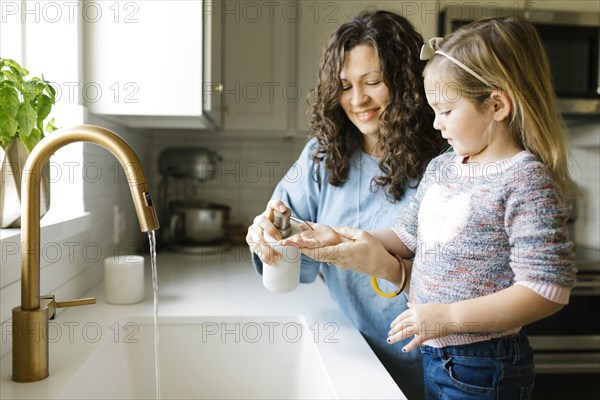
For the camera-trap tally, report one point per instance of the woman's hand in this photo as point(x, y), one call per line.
point(319, 236)
point(423, 322)
point(262, 224)
point(356, 250)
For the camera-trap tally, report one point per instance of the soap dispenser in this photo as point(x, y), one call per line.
point(284, 276)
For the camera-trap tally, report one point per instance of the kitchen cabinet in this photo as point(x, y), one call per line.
point(260, 91)
point(320, 19)
point(271, 56)
point(192, 64)
point(152, 63)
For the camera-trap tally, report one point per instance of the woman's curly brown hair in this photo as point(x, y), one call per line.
point(406, 137)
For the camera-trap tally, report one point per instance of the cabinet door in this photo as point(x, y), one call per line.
point(259, 91)
point(213, 62)
point(319, 20)
point(144, 59)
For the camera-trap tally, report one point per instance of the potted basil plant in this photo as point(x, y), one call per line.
point(24, 106)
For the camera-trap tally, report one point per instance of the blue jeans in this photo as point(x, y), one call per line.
point(493, 369)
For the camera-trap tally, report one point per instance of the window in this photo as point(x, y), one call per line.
point(44, 38)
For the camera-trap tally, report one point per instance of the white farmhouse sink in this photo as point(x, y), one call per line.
point(206, 358)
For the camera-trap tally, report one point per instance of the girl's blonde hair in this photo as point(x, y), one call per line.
point(508, 53)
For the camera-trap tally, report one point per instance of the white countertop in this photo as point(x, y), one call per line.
point(223, 284)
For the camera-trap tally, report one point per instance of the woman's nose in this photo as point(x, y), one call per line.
point(358, 96)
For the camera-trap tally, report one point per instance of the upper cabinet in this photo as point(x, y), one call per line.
point(193, 64)
point(260, 89)
point(271, 56)
point(152, 63)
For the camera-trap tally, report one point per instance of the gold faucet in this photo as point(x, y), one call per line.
point(30, 320)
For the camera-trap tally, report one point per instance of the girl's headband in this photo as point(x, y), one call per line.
point(428, 50)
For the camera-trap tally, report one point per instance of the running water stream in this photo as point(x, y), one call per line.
point(152, 240)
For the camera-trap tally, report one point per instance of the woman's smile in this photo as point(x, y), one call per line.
point(368, 115)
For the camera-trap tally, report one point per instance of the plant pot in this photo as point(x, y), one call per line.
point(11, 171)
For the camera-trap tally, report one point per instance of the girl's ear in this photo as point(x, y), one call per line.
point(501, 105)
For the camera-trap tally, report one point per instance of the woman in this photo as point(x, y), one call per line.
point(372, 138)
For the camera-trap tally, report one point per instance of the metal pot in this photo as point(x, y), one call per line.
point(198, 223)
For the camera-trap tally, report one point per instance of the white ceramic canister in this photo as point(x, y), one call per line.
point(124, 279)
point(284, 276)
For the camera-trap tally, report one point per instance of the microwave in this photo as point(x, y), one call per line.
point(571, 40)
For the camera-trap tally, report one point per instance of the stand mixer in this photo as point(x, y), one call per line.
point(192, 224)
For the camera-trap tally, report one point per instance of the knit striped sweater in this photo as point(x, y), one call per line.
point(476, 229)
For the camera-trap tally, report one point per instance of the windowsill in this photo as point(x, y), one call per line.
point(54, 225)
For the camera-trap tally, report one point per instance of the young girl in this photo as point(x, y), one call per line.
point(487, 226)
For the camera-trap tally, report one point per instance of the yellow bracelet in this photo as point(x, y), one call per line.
point(394, 294)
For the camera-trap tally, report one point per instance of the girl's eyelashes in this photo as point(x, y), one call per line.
point(437, 110)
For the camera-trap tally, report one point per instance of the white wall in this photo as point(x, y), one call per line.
point(105, 187)
point(244, 178)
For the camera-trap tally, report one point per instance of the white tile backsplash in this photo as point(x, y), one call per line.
point(245, 177)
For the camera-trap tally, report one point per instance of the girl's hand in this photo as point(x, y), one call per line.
point(423, 322)
point(320, 236)
point(356, 250)
point(262, 224)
